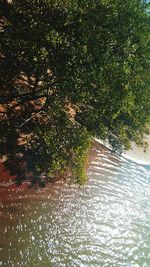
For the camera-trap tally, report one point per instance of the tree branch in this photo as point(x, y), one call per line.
point(21, 97)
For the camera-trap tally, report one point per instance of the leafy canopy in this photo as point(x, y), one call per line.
point(72, 70)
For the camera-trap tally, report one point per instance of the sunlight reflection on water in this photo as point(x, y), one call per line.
point(105, 223)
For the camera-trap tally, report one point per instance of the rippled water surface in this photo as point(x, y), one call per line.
point(106, 223)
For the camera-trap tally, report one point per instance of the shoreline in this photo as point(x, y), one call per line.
point(135, 154)
point(8, 181)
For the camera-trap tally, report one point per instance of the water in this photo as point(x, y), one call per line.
point(106, 223)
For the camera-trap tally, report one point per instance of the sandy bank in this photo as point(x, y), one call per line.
point(138, 155)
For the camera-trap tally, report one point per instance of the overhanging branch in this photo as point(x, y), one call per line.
point(20, 97)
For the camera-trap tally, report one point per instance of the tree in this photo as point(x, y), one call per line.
point(72, 70)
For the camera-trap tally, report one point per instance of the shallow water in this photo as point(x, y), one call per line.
point(105, 223)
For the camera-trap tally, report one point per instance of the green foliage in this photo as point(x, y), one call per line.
point(72, 70)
